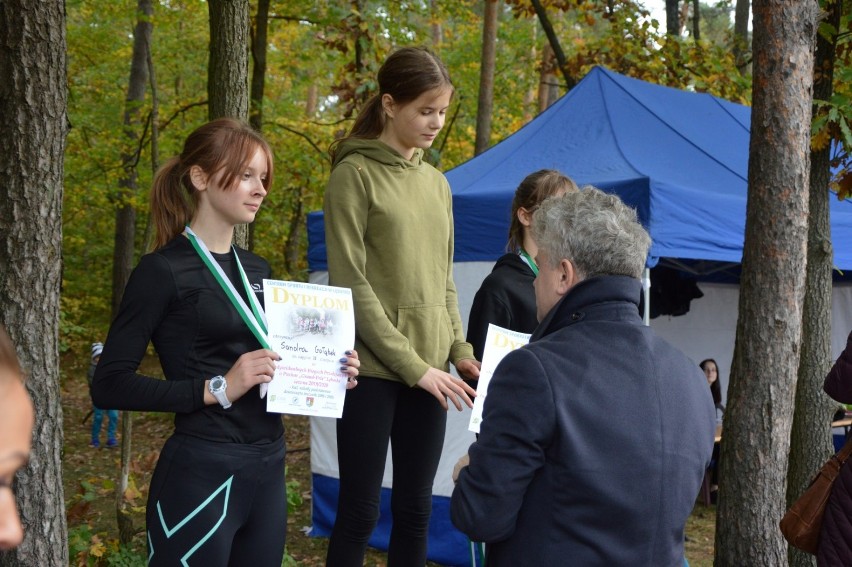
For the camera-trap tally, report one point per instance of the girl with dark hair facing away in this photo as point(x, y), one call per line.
point(389, 230)
point(217, 496)
point(506, 297)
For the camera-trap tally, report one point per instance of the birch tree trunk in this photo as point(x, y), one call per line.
point(33, 127)
point(756, 438)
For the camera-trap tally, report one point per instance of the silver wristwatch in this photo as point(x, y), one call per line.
point(217, 387)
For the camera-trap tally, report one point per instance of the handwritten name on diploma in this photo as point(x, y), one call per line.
point(292, 348)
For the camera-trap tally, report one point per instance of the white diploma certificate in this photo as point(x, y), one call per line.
point(498, 343)
point(310, 326)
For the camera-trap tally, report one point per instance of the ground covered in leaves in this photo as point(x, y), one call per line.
point(90, 476)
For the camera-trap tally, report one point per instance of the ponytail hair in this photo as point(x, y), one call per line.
point(533, 190)
point(406, 74)
point(224, 145)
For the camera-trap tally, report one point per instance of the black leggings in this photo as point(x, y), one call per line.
point(414, 421)
point(217, 504)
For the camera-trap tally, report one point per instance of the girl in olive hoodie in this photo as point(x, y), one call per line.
point(389, 231)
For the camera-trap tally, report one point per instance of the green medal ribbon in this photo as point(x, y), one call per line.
point(530, 262)
point(255, 318)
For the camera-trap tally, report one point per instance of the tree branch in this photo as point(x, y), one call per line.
point(570, 82)
point(301, 135)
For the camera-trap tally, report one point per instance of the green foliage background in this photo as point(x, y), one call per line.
point(313, 45)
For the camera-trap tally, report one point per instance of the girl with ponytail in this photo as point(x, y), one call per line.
point(389, 235)
point(217, 495)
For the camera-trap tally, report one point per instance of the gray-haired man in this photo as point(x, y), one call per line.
point(597, 434)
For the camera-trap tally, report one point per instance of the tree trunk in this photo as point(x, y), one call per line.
point(258, 74)
point(435, 28)
point(756, 439)
point(292, 250)
point(125, 220)
point(311, 101)
point(486, 76)
point(227, 73)
point(125, 228)
point(811, 442)
point(548, 90)
point(672, 17)
point(532, 93)
point(258, 77)
point(741, 43)
point(33, 127)
point(696, 20)
point(155, 142)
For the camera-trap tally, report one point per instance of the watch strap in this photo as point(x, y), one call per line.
point(220, 395)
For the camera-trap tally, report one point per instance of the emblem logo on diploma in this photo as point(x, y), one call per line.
point(310, 326)
point(498, 343)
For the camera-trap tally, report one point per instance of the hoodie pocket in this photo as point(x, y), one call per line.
point(428, 330)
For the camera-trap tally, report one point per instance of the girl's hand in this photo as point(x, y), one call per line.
point(444, 386)
point(350, 367)
point(250, 369)
point(469, 368)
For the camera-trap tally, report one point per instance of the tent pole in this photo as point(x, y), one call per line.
point(646, 290)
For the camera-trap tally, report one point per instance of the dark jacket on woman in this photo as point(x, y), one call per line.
point(506, 298)
point(594, 441)
point(835, 543)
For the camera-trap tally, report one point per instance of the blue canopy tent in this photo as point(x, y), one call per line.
point(680, 158)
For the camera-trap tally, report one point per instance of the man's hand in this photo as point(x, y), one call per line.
point(462, 463)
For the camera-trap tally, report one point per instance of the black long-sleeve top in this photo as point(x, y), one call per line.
point(173, 301)
point(506, 298)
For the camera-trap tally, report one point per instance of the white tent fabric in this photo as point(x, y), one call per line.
point(708, 330)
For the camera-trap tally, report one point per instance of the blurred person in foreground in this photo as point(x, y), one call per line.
point(16, 428)
point(596, 435)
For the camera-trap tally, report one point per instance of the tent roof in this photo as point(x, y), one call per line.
point(680, 158)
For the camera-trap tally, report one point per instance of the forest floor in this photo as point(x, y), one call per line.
point(89, 478)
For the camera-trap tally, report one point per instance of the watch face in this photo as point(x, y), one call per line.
point(217, 383)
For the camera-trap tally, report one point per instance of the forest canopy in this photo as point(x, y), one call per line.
point(321, 60)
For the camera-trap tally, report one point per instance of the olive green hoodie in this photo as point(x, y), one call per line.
point(389, 237)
